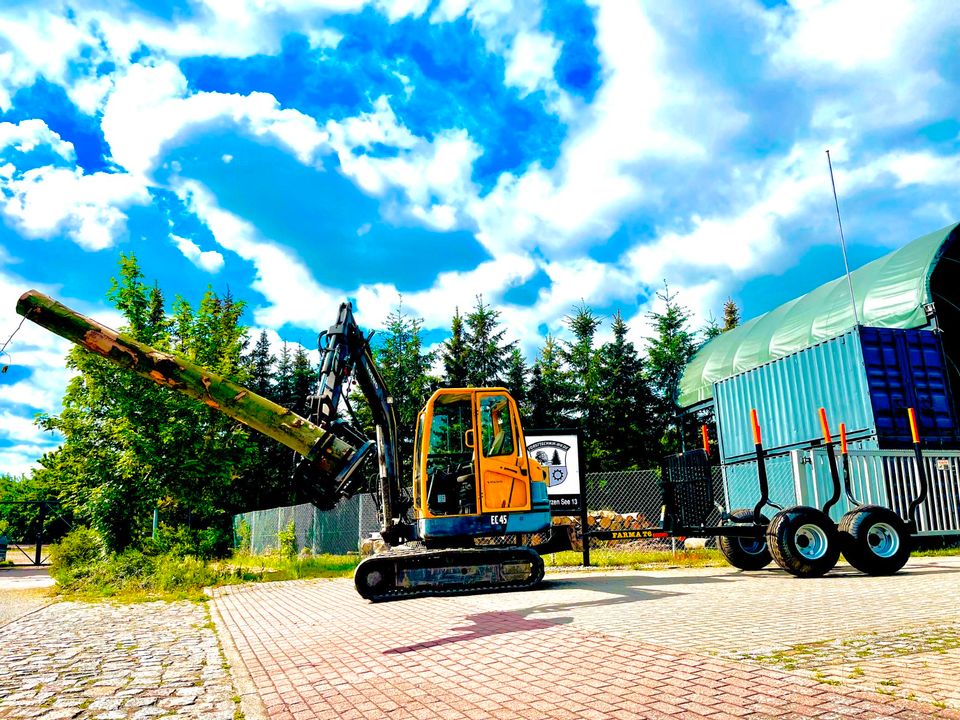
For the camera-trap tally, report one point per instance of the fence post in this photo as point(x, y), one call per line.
point(41, 517)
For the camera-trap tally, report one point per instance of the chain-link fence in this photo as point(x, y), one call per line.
point(631, 500)
point(336, 532)
point(626, 500)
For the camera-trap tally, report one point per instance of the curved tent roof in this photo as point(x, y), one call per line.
point(890, 292)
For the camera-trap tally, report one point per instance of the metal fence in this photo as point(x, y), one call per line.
point(613, 499)
point(889, 478)
point(336, 532)
point(632, 499)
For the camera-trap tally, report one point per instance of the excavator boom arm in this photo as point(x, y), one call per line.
point(333, 451)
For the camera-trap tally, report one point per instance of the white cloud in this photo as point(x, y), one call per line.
point(209, 260)
point(644, 111)
point(40, 42)
point(282, 278)
point(27, 135)
point(846, 34)
point(88, 208)
point(150, 107)
point(48, 200)
point(435, 176)
point(530, 61)
point(867, 65)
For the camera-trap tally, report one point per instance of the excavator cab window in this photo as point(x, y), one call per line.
point(496, 429)
point(450, 475)
point(417, 440)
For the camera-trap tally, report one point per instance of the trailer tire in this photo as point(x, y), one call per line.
point(744, 553)
point(875, 540)
point(804, 541)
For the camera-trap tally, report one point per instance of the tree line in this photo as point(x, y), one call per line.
point(130, 446)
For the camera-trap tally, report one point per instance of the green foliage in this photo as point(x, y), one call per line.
point(79, 548)
point(731, 314)
point(82, 567)
point(182, 541)
point(624, 434)
point(668, 353)
point(582, 362)
point(550, 399)
point(244, 537)
point(287, 540)
point(130, 445)
point(455, 354)
point(404, 366)
point(516, 377)
point(487, 351)
point(20, 519)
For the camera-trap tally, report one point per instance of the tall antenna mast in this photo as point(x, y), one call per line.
point(843, 244)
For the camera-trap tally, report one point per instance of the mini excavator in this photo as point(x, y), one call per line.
point(474, 487)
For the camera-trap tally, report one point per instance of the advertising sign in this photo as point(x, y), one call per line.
point(558, 451)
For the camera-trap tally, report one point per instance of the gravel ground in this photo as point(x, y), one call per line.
point(22, 591)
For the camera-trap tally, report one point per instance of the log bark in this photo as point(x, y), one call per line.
point(328, 453)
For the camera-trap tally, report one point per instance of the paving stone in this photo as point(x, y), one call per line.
point(663, 644)
point(102, 660)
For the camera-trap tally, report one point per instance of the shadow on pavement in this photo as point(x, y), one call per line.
point(483, 625)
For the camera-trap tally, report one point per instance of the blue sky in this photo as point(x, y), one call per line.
point(541, 153)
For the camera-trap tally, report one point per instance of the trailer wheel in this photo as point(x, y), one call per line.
point(803, 541)
point(875, 540)
point(741, 552)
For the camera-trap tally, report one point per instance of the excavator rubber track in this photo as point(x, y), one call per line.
point(402, 573)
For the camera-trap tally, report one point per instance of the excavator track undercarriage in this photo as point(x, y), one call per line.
point(403, 573)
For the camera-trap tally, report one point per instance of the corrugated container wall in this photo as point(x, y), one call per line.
point(864, 378)
point(787, 394)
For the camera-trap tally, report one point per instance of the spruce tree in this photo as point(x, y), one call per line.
point(303, 378)
point(261, 362)
point(626, 426)
point(731, 314)
point(487, 350)
point(455, 354)
point(549, 398)
point(668, 353)
point(405, 368)
point(581, 363)
point(283, 379)
point(515, 378)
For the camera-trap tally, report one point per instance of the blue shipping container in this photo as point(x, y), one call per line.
point(865, 378)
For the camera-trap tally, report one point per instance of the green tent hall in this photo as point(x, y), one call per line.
point(811, 352)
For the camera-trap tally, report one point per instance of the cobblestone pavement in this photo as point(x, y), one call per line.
point(110, 661)
point(668, 644)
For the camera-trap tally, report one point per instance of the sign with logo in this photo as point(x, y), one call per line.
point(558, 451)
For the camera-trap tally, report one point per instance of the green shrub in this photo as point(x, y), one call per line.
point(244, 537)
point(78, 549)
point(287, 540)
point(182, 541)
point(173, 573)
